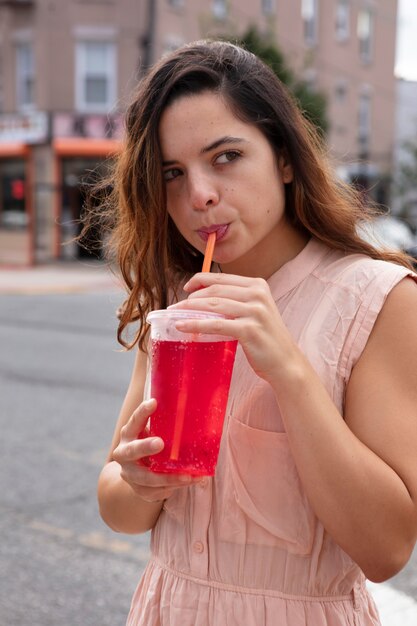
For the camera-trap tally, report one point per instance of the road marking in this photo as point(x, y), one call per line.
point(395, 607)
point(100, 542)
point(63, 533)
point(96, 540)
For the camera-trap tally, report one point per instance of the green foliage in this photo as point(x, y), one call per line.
point(311, 102)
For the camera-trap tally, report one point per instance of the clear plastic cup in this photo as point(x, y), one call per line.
point(189, 378)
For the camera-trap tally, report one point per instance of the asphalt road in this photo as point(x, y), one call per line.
point(62, 379)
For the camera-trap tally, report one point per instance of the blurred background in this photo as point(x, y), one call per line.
point(67, 69)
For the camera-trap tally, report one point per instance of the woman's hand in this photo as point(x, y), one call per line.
point(253, 319)
point(131, 454)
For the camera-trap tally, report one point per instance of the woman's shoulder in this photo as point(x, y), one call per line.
point(357, 273)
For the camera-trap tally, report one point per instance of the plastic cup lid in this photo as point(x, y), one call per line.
point(180, 314)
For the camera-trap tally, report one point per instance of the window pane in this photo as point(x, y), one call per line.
point(28, 89)
point(364, 119)
point(307, 9)
point(25, 57)
point(25, 75)
point(342, 19)
point(364, 24)
point(219, 8)
point(268, 6)
point(365, 34)
point(95, 75)
point(309, 12)
point(96, 90)
point(96, 57)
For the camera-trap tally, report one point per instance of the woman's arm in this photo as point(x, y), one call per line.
point(359, 473)
point(130, 496)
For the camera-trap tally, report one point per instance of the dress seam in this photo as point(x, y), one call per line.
point(350, 597)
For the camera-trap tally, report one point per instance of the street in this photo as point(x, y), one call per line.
point(62, 380)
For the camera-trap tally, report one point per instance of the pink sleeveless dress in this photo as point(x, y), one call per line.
point(245, 548)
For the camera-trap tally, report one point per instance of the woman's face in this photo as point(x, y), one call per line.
point(222, 175)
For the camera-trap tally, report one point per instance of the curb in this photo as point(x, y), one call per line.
point(395, 607)
point(58, 279)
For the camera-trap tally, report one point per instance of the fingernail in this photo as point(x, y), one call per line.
point(156, 444)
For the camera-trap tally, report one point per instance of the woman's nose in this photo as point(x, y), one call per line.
point(203, 193)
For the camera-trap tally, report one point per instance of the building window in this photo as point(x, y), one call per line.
point(219, 9)
point(342, 20)
point(364, 122)
point(268, 7)
point(365, 34)
point(25, 76)
point(341, 90)
point(95, 76)
point(309, 13)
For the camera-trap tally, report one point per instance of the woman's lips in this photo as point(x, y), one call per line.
point(219, 229)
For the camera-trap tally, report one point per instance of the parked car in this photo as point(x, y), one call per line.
point(388, 232)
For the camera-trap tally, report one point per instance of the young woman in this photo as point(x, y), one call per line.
point(316, 484)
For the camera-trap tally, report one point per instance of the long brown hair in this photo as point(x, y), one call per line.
point(152, 255)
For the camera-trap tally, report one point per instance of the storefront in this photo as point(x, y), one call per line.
point(19, 134)
point(16, 223)
point(83, 148)
point(79, 163)
point(47, 163)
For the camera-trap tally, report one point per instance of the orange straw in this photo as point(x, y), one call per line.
point(208, 255)
point(182, 393)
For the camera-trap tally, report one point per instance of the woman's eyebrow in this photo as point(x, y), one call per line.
point(218, 142)
point(212, 146)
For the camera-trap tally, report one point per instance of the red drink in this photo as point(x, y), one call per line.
point(190, 381)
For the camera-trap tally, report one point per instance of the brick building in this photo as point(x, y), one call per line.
point(67, 68)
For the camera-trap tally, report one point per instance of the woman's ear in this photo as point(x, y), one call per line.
point(285, 168)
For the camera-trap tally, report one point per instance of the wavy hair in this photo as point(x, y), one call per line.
point(152, 255)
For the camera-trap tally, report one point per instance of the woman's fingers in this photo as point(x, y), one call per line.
point(132, 452)
point(137, 449)
point(138, 420)
point(136, 474)
point(205, 279)
point(247, 308)
point(151, 486)
point(134, 443)
point(251, 314)
point(240, 288)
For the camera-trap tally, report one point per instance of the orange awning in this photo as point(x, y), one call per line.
point(82, 146)
point(13, 149)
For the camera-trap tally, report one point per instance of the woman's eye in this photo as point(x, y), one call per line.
point(172, 173)
point(228, 156)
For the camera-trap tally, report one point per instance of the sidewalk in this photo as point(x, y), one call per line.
point(60, 277)
point(395, 607)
